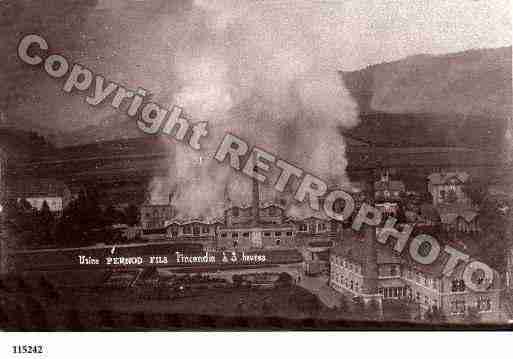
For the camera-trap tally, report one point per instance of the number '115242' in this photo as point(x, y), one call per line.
point(27, 349)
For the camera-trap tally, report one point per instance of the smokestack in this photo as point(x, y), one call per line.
point(256, 199)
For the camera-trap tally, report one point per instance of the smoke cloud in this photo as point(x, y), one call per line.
point(264, 72)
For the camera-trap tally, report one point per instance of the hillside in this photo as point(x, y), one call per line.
point(471, 83)
point(462, 99)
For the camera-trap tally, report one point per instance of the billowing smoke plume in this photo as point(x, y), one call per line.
point(264, 73)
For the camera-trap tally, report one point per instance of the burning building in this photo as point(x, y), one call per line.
point(154, 216)
point(256, 226)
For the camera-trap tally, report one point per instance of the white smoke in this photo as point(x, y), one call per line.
point(264, 72)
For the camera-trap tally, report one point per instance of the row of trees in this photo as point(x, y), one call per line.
point(82, 222)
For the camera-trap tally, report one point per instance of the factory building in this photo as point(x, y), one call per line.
point(401, 278)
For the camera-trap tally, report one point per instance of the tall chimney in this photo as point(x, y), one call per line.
point(256, 197)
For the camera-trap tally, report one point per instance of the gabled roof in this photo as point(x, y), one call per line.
point(183, 222)
point(314, 217)
point(446, 177)
point(353, 248)
point(449, 213)
point(429, 212)
point(389, 185)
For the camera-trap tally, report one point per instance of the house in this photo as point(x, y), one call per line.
point(387, 194)
point(154, 216)
point(55, 193)
point(447, 187)
point(195, 230)
point(459, 218)
point(401, 278)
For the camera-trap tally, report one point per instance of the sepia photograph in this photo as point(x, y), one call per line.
point(245, 165)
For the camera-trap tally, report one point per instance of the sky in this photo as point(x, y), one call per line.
point(375, 31)
point(138, 42)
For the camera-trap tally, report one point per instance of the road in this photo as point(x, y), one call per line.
point(318, 286)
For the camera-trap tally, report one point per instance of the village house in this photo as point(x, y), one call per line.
point(401, 278)
point(55, 193)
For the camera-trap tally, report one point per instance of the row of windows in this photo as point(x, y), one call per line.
point(393, 292)
point(347, 264)
point(458, 285)
point(407, 292)
point(483, 304)
point(266, 234)
point(195, 230)
point(320, 227)
point(393, 271)
point(236, 242)
point(421, 279)
point(346, 282)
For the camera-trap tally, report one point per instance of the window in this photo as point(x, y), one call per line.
point(458, 285)
point(245, 234)
point(417, 297)
point(235, 234)
point(484, 304)
point(267, 234)
point(458, 307)
point(278, 242)
point(187, 229)
point(223, 234)
point(205, 229)
point(393, 271)
point(277, 234)
point(235, 212)
point(352, 285)
point(235, 243)
point(196, 230)
point(303, 228)
point(289, 234)
point(426, 300)
point(174, 233)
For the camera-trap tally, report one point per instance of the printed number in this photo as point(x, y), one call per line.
point(27, 349)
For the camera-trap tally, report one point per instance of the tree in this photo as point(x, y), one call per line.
point(237, 280)
point(472, 316)
point(476, 191)
point(284, 279)
point(113, 216)
point(435, 315)
point(45, 221)
point(343, 306)
point(132, 215)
